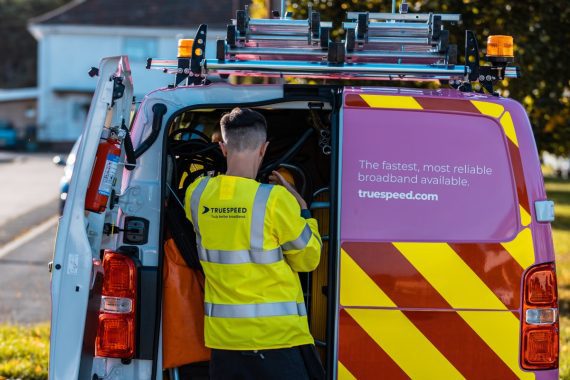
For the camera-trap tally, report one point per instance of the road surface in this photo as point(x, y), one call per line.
point(27, 182)
point(29, 195)
point(24, 276)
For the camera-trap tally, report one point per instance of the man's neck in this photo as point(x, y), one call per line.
point(242, 165)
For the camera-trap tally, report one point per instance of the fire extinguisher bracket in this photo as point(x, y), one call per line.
point(118, 89)
point(132, 200)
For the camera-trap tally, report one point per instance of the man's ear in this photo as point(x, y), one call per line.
point(263, 149)
point(223, 148)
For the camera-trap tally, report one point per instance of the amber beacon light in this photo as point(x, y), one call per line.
point(185, 48)
point(500, 47)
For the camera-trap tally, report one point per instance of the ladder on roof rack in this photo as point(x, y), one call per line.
point(399, 38)
point(377, 46)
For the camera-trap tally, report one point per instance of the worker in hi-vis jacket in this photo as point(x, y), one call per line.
point(252, 240)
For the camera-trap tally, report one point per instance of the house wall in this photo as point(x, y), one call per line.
point(67, 52)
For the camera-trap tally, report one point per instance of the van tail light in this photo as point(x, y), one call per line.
point(117, 315)
point(540, 342)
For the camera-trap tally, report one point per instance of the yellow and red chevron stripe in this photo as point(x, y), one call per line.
point(442, 330)
point(490, 109)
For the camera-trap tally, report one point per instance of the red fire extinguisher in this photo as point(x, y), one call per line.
point(104, 174)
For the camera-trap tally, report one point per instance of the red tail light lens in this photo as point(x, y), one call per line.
point(541, 286)
point(115, 336)
point(119, 275)
point(540, 341)
point(116, 331)
point(541, 347)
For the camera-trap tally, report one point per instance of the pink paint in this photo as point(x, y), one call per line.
point(452, 171)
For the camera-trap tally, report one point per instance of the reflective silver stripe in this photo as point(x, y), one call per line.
point(301, 242)
point(273, 309)
point(240, 256)
point(194, 207)
point(258, 216)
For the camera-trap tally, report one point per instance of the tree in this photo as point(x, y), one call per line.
point(19, 49)
point(541, 29)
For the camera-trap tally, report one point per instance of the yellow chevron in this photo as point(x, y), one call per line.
point(344, 373)
point(509, 128)
point(522, 248)
point(487, 108)
point(356, 288)
point(388, 101)
point(404, 343)
point(501, 331)
point(450, 275)
point(397, 336)
point(525, 216)
point(462, 288)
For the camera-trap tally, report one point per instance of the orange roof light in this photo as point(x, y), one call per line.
point(185, 48)
point(500, 46)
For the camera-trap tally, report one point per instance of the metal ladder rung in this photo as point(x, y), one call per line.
point(417, 17)
point(392, 26)
point(283, 22)
point(275, 22)
point(399, 41)
point(317, 52)
point(273, 37)
point(396, 54)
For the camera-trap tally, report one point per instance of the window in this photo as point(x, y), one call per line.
point(139, 49)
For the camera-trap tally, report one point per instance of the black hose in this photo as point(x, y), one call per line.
point(191, 131)
point(129, 150)
point(301, 175)
point(288, 155)
point(159, 110)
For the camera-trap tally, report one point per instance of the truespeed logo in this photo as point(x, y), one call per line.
point(387, 195)
point(225, 212)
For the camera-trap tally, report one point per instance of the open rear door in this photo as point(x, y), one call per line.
point(76, 264)
point(434, 239)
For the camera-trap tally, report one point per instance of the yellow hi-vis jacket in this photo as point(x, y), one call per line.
point(252, 241)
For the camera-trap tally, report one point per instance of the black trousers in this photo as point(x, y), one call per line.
point(278, 364)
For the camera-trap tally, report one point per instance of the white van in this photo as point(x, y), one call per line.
point(437, 258)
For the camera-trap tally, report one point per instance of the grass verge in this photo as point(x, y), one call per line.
point(24, 352)
point(559, 192)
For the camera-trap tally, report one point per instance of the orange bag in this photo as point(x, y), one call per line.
point(182, 311)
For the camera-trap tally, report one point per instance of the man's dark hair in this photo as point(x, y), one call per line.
point(243, 129)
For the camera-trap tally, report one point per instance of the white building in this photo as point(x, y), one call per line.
point(74, 38)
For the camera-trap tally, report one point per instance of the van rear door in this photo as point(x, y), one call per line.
point(80, 237)
point(435, 237)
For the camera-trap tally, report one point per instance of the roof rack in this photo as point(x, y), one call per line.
point(395, 46)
